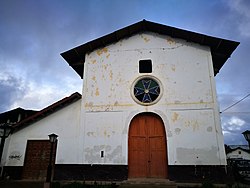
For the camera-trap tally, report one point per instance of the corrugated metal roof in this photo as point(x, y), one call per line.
point(231, 148)
point(221, 49)
point(246, 147)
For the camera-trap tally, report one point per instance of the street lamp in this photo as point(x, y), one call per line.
point(5, 130)
point(246, 134)
point(52, 139)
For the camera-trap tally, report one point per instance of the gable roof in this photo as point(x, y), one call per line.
point(231, 148)
point(221, 49)
point(15, 115)
point(47, 111)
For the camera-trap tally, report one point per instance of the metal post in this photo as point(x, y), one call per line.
point(5, 130)
point(1, 153)
point(1, 147)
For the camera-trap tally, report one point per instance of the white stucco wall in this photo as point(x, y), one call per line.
point(188, 106)
point(238, 154)
point(65, 123)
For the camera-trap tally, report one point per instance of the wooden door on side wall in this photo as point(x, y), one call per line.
point(37, 159)
point(147, 153)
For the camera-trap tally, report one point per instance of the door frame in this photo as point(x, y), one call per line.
point(165, 136)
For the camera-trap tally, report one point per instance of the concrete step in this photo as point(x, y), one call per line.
point(21, 184)
point(147, 183)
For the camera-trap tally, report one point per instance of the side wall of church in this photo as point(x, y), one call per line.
point(65, 123)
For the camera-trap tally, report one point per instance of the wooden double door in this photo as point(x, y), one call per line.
point(37, 159)
point(147, 152)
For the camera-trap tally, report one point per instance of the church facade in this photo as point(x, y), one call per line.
point(148, 108)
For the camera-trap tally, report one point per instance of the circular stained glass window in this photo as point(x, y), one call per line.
point(146, 90)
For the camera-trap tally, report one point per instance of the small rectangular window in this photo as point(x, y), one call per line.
point(102, 154)
point(145, 66)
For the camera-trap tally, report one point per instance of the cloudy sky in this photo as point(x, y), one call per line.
point(33, 33)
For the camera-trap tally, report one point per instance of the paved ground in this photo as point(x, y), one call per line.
point(138, 183)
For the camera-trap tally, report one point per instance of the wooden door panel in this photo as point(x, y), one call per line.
point(147, 147)
point(138, 166)
point(140, 129)
point(155, 127)
point(138, 143)
point(36, 159)
point(157, 157)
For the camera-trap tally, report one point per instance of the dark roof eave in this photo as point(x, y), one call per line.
point(219, 47)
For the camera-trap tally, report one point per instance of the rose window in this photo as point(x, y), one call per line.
point(146, 90)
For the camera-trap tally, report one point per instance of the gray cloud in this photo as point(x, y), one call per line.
point(233, 125)
point(236, 119)
point(34, 33)
point(11, 89)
